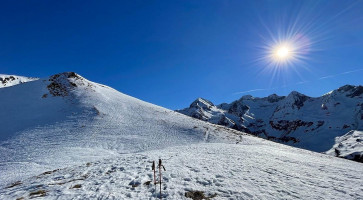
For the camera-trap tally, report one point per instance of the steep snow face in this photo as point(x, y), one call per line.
point(11, 80)
point(65, 120)
point(252, 169)
point(297, 120)
point(349, 146)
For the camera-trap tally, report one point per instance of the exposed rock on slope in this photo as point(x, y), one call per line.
point(11, 80)
point(62, 84)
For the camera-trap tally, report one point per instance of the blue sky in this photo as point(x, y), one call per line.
point(171, 52)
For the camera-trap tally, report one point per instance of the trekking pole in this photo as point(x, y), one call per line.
point(160, 175)
point(153, 168)
point(160, 165)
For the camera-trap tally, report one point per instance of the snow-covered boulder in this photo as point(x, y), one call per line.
point(349, 146)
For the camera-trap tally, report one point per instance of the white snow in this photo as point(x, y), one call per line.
point(348, 146)
point(104, 141)
point(11, 80)
point(233, 171)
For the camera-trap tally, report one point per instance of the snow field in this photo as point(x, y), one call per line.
point(231, 171)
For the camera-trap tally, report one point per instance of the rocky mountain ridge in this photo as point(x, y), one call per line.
point(311, 123)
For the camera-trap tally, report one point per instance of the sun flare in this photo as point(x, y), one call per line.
point(282, 53)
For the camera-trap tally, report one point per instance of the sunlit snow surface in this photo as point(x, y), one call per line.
point(103, 141)
point(11, 80)
point(233, 171)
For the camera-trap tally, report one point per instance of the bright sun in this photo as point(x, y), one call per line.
point(285, 52)
point(282, 53)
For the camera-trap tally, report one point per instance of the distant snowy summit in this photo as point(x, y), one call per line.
point(11, 80)
point(298, 120)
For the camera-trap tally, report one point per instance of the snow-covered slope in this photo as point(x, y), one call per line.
point(298, 120)
point(349, 146)
point(65, 137)
point(10, 80)
point(258, 170)
point(65, 120)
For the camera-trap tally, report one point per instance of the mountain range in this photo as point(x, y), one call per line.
point(297, 120)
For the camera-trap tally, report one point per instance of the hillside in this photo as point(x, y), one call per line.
point(66, 120)
point(64, 137)
point(297, 120)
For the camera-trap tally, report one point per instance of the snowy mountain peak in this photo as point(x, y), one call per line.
point(202, 103)
point(271, 98)
point(351, 90)
point(274, 98)
point(66, 75)
point(63, 83)
point(247, 97)
point(346, 88)
point(296, 99)
point(296, 94)
point(11, 80)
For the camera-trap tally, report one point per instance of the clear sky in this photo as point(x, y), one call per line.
point(171, 52)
